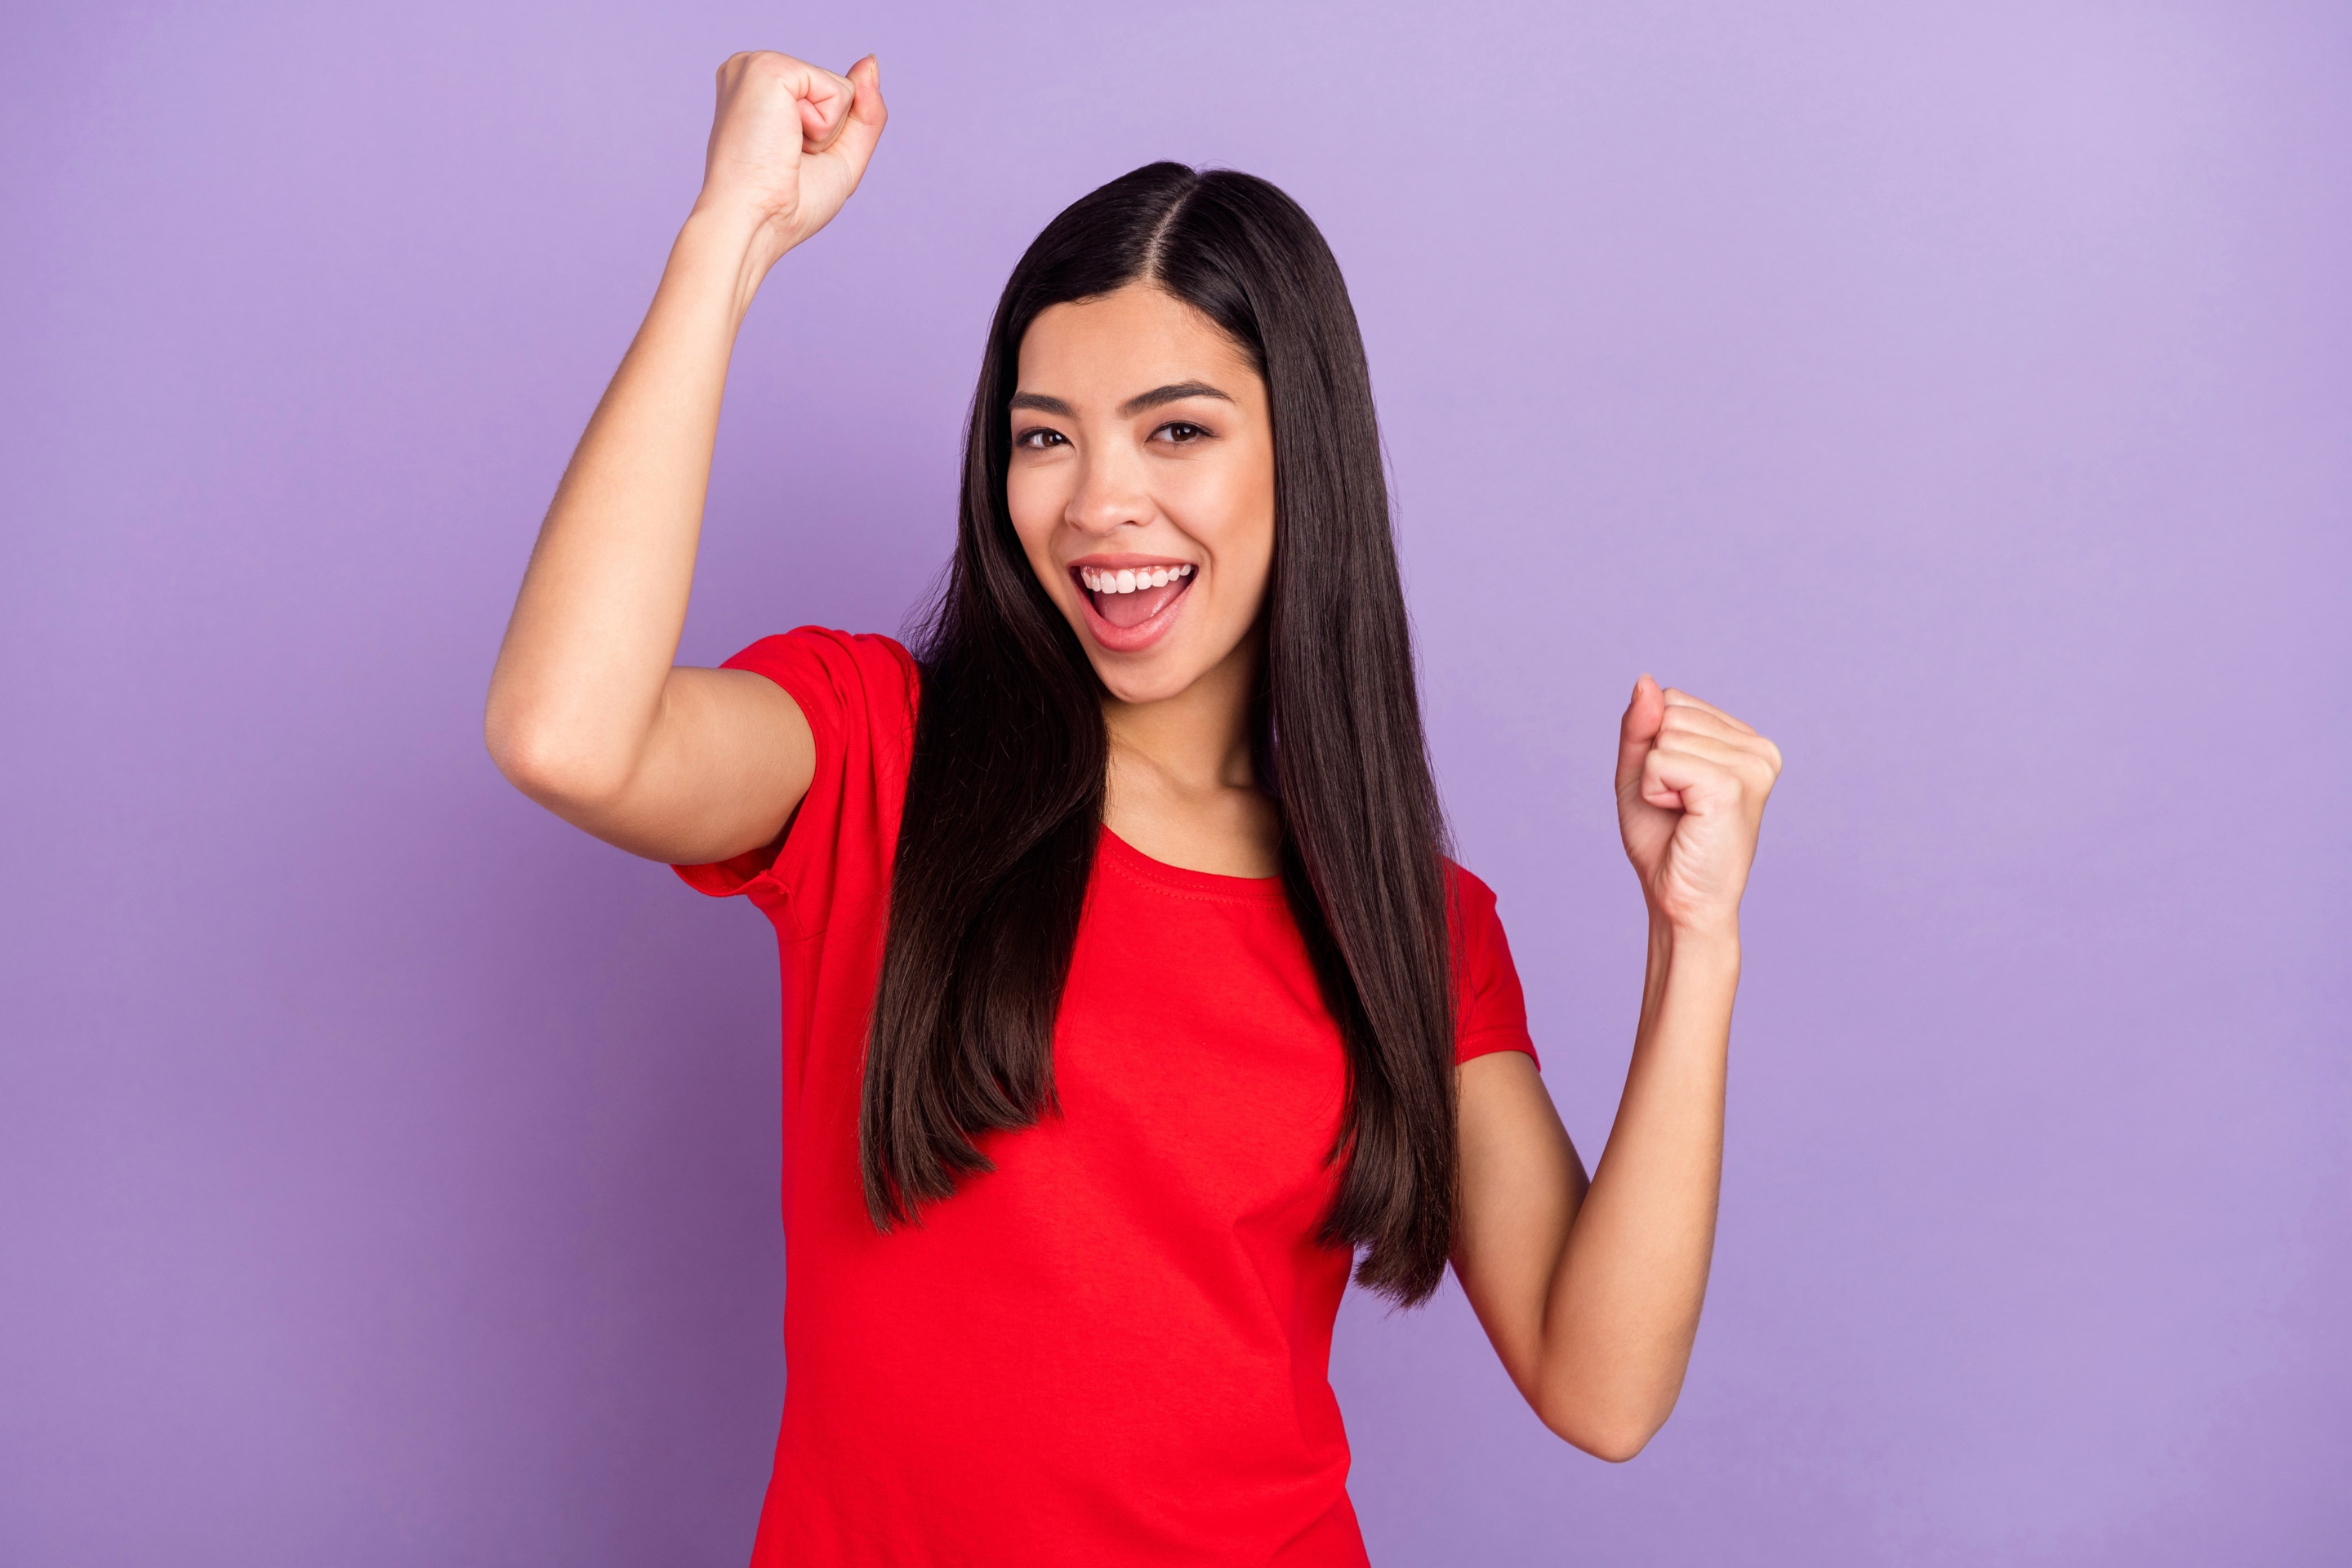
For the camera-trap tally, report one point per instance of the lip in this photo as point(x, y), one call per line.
point(1144, 633)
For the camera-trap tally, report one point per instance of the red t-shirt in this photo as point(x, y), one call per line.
point(1112, 1347)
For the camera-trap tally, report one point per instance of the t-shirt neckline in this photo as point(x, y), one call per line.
point(1184, 880)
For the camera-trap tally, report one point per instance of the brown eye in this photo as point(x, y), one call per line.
point(1039, 440)
point(1181, 432)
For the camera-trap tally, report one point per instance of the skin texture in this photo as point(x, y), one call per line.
point(1590, 1289)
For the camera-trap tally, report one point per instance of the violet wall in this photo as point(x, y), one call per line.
point(1961, 393)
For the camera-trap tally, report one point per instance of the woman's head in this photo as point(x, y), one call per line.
point(1140, 484)
point(1177, 358)
point(1167, 279)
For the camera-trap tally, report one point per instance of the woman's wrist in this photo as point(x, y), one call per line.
point(1699, 964)
point(731, 243)
point(1711, 938)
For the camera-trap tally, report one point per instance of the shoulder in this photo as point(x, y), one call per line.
point(857, 691)
point(840, 679)
point(1470, 900)
point(1475, 924)
point(1494, 1010)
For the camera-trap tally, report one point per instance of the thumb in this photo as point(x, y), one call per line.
point(1646, 715)
point(853, 145)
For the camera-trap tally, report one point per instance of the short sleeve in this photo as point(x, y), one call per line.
point(858, 694)
point(1493, 1010)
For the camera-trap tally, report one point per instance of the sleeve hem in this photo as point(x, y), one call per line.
point(1486, 1042)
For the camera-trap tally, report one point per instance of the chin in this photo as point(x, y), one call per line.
point(1151, 679)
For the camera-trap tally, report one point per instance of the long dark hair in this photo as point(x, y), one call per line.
point(1004, 796)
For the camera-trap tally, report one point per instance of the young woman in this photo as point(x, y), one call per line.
point(1132, 1002)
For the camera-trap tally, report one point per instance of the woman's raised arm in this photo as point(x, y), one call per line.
point(587, 714)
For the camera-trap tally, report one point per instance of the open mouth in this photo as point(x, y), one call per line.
point(1132, 606)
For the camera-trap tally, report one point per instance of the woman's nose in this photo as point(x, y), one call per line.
point(1109, 495)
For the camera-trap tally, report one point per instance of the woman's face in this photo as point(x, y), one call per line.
point(1143, 485)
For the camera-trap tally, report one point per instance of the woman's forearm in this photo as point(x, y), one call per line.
point(1624, 1302)
point(579, 682)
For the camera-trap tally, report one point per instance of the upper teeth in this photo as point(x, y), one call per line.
point(1127, 580)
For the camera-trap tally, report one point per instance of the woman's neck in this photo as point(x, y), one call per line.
point(1181, 785)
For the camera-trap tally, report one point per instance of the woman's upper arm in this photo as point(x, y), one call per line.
point(1522, 1181)
point(724, 766)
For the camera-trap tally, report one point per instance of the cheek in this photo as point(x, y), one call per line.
point(1035, 505)
point(1232, 513)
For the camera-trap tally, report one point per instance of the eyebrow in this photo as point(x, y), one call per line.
point(1175, 391)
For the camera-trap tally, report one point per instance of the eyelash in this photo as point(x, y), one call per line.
point(1037, 440)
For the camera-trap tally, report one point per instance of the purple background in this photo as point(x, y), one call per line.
point(387, 1172)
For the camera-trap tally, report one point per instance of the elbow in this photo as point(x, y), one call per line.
point(1613, 1435)
point(1615, 1445)
point(545, 763)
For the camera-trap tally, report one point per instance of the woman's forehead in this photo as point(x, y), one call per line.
point(1110, 348)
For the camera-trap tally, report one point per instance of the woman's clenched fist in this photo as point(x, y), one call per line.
point(1691, 785)
point(788, 144)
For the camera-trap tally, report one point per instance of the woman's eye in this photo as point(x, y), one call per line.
point(1038, 439)
point(1179, 432)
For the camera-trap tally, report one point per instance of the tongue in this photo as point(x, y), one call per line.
point(1134, 609)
